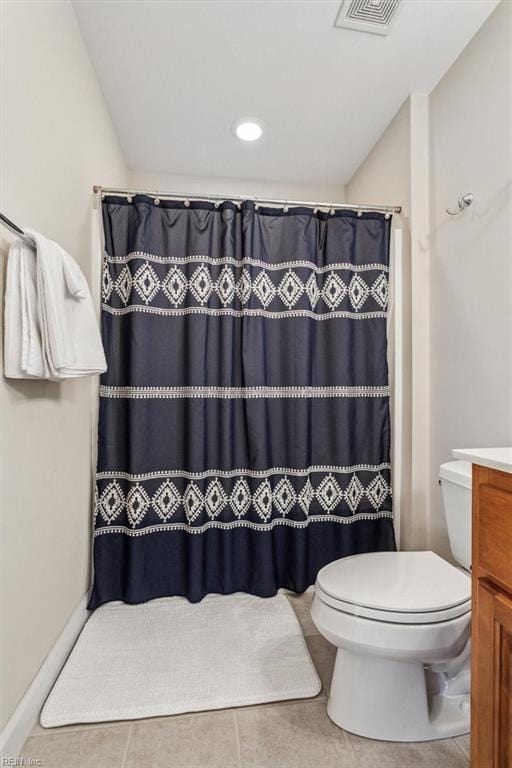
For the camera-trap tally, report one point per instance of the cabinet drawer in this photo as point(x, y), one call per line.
point(495, 534)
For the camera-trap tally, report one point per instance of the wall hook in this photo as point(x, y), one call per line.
point(463, 202)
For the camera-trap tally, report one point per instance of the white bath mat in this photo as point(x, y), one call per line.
point(170, 656)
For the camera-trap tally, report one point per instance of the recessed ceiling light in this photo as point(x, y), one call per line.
point(248, 129)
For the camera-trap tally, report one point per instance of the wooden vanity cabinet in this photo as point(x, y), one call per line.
point(491, 687)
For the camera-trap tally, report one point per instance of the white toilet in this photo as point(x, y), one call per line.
point(401, 624)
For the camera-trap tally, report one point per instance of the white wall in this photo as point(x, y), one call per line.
point(460, 283)
point(226, 186)
point(384, 178)
point(471, 254)
point(57, 140)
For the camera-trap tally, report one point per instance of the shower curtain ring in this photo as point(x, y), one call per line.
point(359, 212)
point(187, 203)
point(285, 207)
point(332, 211)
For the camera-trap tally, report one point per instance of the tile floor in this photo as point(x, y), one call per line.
point(285, 735)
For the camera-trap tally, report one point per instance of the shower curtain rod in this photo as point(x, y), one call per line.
point(241, 198)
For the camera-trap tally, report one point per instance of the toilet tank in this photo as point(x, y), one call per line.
point(455, 480)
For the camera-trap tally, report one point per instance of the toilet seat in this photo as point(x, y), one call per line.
point(395, 617)
point(396, 587)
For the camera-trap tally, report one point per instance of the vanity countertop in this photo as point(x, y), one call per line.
point(494, 458)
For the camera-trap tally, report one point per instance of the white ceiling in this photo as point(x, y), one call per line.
point(176, 75)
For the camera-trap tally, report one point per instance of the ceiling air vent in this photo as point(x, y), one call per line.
point(373, 16)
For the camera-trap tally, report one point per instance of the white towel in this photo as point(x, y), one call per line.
point(51, 330)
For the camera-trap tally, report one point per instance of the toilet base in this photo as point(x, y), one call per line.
point(388, 700)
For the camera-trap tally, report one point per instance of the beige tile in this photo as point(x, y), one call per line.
point(298, 735)
point(91, 748)
point(323, 654)
point(301, 604)
point(463, 742)
point(425, 754)
point(197, 741)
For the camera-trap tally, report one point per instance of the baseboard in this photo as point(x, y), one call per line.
point(24, 717)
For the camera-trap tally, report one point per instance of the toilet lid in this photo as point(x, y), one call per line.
point(402, 582)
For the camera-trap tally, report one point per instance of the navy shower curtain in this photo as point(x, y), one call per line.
point(244, 428)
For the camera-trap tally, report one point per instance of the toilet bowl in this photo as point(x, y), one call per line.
point(401, 624)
